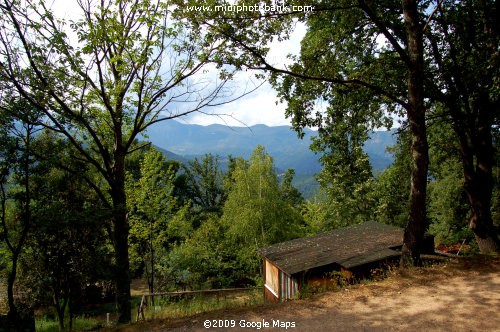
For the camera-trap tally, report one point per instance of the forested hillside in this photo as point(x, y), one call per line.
point(184, 142)
point(288, 150)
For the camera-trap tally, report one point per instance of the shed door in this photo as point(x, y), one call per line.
point(272, 278)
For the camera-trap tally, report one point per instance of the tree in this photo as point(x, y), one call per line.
point(17, 170)
point(319, 216)
point(289, 193)
point(462, 56)
point(66, 247)
point(208, 259)
point(346, 176)
point(448, 208)
point(206, 182)
point(258, 211)
point(255, 212)
point(121, 67)
point(414, 60)
point(391, 188)
point(457, 40)
point(154, 213)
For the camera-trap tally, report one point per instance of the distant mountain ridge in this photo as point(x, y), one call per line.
point(189, 141)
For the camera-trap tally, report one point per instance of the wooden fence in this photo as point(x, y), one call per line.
point(145, 297)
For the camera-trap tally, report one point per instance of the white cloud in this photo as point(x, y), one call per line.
point(256, 108)
point(66, 9)
point(260, 106)
point(278, 52)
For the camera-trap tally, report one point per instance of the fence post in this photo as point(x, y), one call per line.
point(140, 309)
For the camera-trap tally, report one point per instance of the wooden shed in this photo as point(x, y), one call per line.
point(290, 265)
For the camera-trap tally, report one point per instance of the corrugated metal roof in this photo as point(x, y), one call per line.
point(349, 247)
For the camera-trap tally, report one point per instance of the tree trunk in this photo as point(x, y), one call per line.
point(13, 314)
point(70, 310)
point(476, 150)
point(480, 221)
point(59, 308)
point(122, 276)
point(416, 226)
point(121, 231)
point(152, 262)
point(478, 186)
point(472, 110)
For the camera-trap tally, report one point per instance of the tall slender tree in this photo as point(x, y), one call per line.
point(152, 210)
point(16, 170)
point(256, 213)
point(205, 179)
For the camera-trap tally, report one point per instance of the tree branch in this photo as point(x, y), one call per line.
point(268, 67)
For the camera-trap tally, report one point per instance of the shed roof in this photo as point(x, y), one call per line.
point(349, 247)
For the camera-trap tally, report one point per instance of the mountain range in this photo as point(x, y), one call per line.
point(184, 142)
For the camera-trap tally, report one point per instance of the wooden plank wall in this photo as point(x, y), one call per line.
point(278, 285)
point(272, 280)
point(289, 287)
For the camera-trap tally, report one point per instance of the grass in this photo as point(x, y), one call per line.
point(165, 308)
point(44, 324)
point(89, 319)
point(171, 309)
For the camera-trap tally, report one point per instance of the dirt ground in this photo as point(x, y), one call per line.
point(458, 295)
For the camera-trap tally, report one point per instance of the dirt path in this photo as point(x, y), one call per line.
point(460, 296)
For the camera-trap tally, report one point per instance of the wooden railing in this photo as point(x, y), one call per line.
point(145, 297)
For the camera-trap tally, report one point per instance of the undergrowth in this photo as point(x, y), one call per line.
point(180, 308)
point(44, 324)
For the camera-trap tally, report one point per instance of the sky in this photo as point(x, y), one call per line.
point(258, 107)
